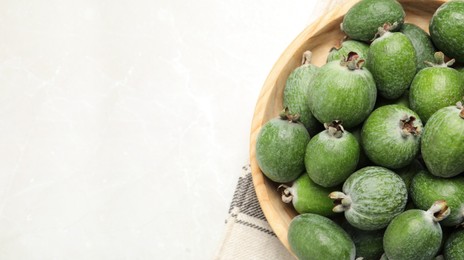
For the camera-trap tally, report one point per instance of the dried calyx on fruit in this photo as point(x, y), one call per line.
point(440, 61)
point(287, 115)
point(459, 105)
point(352, 61)
point(386, 28)
point(407, 126)
point(335, 128)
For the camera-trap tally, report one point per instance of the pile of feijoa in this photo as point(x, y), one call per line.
point(369, 147)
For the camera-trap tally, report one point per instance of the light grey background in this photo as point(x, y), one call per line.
point(124, 124)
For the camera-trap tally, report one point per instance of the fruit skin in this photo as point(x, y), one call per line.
point(426, 188)
point(454, 246)
point(365, 17)
point(369, 244)
point(339, 93)
point(280, 149)
point(412, 235)
point(403, 100)
point(442, 144)
point(329, 160)
point(383, 140)
point(407, 173)
point(446, 27)
point(392, 62)
point(461, 71)
point(308, 197)
point(421, 42)
point(346, 47)
point(363, 160)
point(376, 196)
point(434, 88)
point(295, 96)
point(316, 237)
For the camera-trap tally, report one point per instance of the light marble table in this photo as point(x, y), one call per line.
point(124, 124)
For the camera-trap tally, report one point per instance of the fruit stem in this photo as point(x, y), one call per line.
point(342, 201)
point(287, 195)
point(306, 58)
point(407, 126)
point(339, 44)
point(439, 210)
point(439, 60)
point(460, 106)
point(352, 61)
point(335, 128)
point(385, 29)
point(286, 115)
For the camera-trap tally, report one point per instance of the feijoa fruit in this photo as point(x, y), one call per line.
point(426, 188)
point(391, 136)
point(365, 17)
point(454, 246)
point(296, 92)
point(421, 42)
point(280, 148)
point(308, 197)
point(442, 144)
point(446, 27)
point(392, 62)
point(312, 236)
point(332, 155)
point(415, 234)
point(371, 198)
point(435, 87)
point(344, 91)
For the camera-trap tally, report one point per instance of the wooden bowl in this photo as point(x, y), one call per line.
point(319, 37)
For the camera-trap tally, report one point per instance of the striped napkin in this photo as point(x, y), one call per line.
point(247, 234)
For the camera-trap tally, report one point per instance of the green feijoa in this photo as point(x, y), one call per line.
point(363, 160)
point(296, 92)
point(403, 100)
point(446, 27)
point(391, 136)
point(435, 87)
point(426, 188)
point(308, 197)
point(407, 173)
point(392, 62)
point(342, 90)
point(415, 234)
point(368, 244)
point(461, 71)
point(454, 246)
point(312, 236)
point(371, 198)
point(341, 52)
point(365, 17)
point(442, 144)
point(421, 42)
point(332, 155)
point(280, 148)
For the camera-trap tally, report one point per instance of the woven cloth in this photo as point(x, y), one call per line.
point(247, 233)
